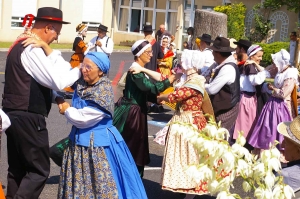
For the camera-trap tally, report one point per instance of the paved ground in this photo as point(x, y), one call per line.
point(58, 129)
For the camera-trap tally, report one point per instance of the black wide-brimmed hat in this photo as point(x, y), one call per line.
point(243, 42)
point(206, 38)
point(50, 14)
point(147, 28)
point(221, 44)
point(103, 28)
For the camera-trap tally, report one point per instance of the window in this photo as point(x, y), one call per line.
point(189, 14)
point(92, 26)
point(135, 20)
point(173, 5)
point(149, 3)
point(92, 14)
point(161, 4)
point(125, 2)
point(187, 4)
point(124, 16)
point(160, 19)
point(133, 14)
point(148, 17)
point(208, 7)
point(20, 8)
point(137, 3)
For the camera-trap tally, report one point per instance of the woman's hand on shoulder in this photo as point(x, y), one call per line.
point(136, 69)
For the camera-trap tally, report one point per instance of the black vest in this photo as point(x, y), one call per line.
point(228, 96)
point(21, 91)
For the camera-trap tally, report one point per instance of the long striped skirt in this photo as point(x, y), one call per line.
point(100, 173)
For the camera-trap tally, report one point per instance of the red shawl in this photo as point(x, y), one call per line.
point(169, 54)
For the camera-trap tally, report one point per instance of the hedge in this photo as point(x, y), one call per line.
point(271, 49)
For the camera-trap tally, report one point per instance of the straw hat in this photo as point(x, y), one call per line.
point(207, 105)
point(290, 130)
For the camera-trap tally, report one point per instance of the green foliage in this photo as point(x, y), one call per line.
point(292, 5)
point(262, 11)
point(262, 24)
point(235, 19)
point(271, 49)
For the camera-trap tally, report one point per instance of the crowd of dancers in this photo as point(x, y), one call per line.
point(108, 143)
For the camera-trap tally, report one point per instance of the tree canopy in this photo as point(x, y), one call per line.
point(292, 5)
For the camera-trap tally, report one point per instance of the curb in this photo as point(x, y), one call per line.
point(122, 80)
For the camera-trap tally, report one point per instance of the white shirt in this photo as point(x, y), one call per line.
point(52, 72)
point(248, 83)
point(209, 59)
point(56, 73)
point(85, 117)
point(5, 120)
point(105, 49)
point(292, 52)
point(226, 75)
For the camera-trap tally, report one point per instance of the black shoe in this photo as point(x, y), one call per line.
point(154, 108)
point(161, 109)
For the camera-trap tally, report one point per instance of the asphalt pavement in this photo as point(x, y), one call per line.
point(59, 128)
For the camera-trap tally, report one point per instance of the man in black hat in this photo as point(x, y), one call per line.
point(30, 76)
point(241, 50)
point(205, 41)
point(101, 43)
point(224, 84)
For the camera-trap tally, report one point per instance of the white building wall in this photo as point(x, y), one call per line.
point(72, 12)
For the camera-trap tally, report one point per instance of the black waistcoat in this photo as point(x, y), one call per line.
point(228, 96)
point(21, 91)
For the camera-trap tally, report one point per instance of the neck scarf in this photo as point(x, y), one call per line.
point(101, 93)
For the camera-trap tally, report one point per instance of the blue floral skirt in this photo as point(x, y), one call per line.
point(100, 172)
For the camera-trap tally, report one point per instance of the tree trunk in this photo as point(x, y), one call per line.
point(209, 22)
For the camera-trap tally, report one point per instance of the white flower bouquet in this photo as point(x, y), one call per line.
point(221, 163)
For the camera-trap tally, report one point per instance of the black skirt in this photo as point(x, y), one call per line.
point(135, 134)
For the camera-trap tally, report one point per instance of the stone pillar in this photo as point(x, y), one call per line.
point(210, 22)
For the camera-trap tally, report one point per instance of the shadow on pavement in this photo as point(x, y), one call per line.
point(53, 180)
point(154, 191)
point(156, 160)
point(162, 117)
